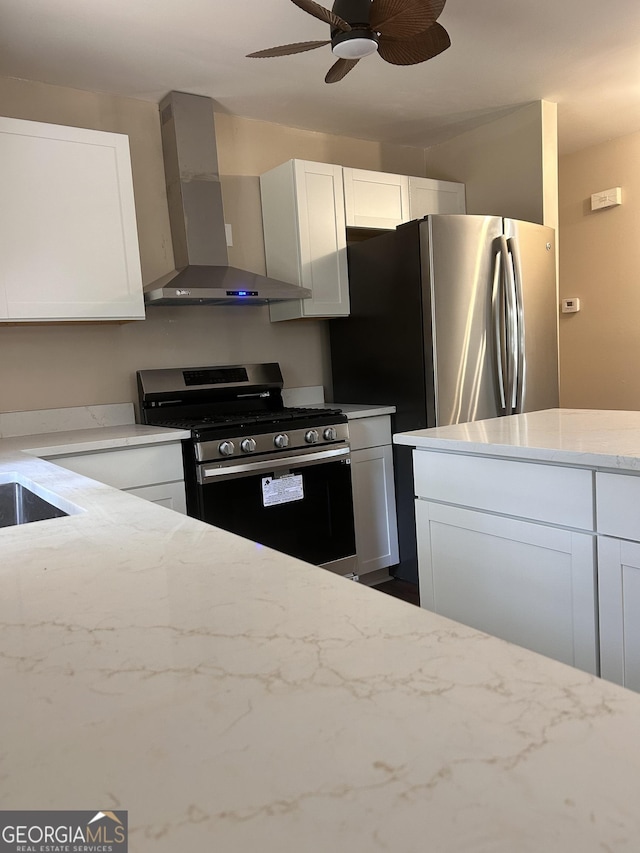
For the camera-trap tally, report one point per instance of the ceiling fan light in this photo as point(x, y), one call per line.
point(355, 48)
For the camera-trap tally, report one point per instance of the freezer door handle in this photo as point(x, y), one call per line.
point(499, 330)
point(520, 360)
point(511, 313)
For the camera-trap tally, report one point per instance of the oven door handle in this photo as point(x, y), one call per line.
point(211, 475)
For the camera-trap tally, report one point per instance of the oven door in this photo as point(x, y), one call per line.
point(300, 504)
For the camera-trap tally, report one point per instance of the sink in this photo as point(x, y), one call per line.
point(19, 505)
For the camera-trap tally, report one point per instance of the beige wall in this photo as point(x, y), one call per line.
point(67, 365)
point(509, 166)
point(600, 264)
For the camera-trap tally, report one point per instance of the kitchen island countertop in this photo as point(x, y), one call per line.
point(235, 699)
point(590, 438)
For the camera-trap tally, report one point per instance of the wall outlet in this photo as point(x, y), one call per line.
point(606, 198)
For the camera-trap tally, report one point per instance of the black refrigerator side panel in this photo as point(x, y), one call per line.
point(382, 353)
point(379, 353)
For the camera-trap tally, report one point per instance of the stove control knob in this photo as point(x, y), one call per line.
point(248, 445)
point(226, 448)
point(311, 436)
point(281, 441)
point(330, 434)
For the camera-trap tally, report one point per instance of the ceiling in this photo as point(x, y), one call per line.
point(582, 54)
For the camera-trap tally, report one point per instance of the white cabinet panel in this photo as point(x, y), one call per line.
point(154, 472)
point(427, 195)
point(170, 495)
point(369, 432)
point(374, 506)
point(618, 505)
point(68, 234)
point(129, 467)
point(526, 583)
point(548, 493)
point(619, 602)
point(375, 199)
point(305, 237)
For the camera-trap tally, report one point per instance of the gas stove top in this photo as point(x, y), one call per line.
point(235, 410)
point(251, 418)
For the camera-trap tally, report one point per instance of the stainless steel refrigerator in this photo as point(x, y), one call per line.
point(453, 318)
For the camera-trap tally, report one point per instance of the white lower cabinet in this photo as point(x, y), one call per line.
point(619, 599)
point(527, 583)
point(374, 502)
point(618, 511)
point(508, 547)
point(154, 472)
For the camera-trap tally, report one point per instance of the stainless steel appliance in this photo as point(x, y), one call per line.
point(202, 275)
point(276, 475)
point(453, 318)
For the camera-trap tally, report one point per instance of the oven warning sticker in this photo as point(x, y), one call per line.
point(282, 490)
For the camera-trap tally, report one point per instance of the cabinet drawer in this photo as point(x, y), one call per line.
point(129, 467)
point(370, 432)
point(549, 493)
point(618, 505)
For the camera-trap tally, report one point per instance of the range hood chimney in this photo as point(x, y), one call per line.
point(202, 275)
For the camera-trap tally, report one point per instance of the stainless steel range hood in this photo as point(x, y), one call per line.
point(202, 275)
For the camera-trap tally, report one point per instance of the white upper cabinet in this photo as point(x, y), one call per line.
point(305, 237)
point(382, 200)
point(306, 209)
point(427, 195)
point(375, 199)
point(68, 234)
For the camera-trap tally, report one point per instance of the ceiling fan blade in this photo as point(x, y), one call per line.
point(323, 14)
point(287, 49)
point(340, 69)
point(411, 51)
point(404, 18)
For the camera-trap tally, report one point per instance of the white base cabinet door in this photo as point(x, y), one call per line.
point(68, 232)
point(619, 601)
point(374, 507)
point(170, 495)
point(527, 583)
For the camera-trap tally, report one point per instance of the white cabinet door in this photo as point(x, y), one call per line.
point(374, 507)
point(305, 237)
point(527, 583)
point(375, 199)
point(170, 495)
point(68, 234)
point(619, 602)
point(427, 195)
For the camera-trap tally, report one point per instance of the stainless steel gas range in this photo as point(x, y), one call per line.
point(277, 475)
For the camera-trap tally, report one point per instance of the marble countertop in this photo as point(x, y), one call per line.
point(54, 444)
point(234, 699)
point(585, 437)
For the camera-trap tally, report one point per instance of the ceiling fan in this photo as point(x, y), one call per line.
point(403, 32)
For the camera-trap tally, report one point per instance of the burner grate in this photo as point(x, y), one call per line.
point(237, 419)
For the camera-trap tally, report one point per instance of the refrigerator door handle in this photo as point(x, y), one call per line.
point(498, 322)
point(520, 377)
point(511, 334)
